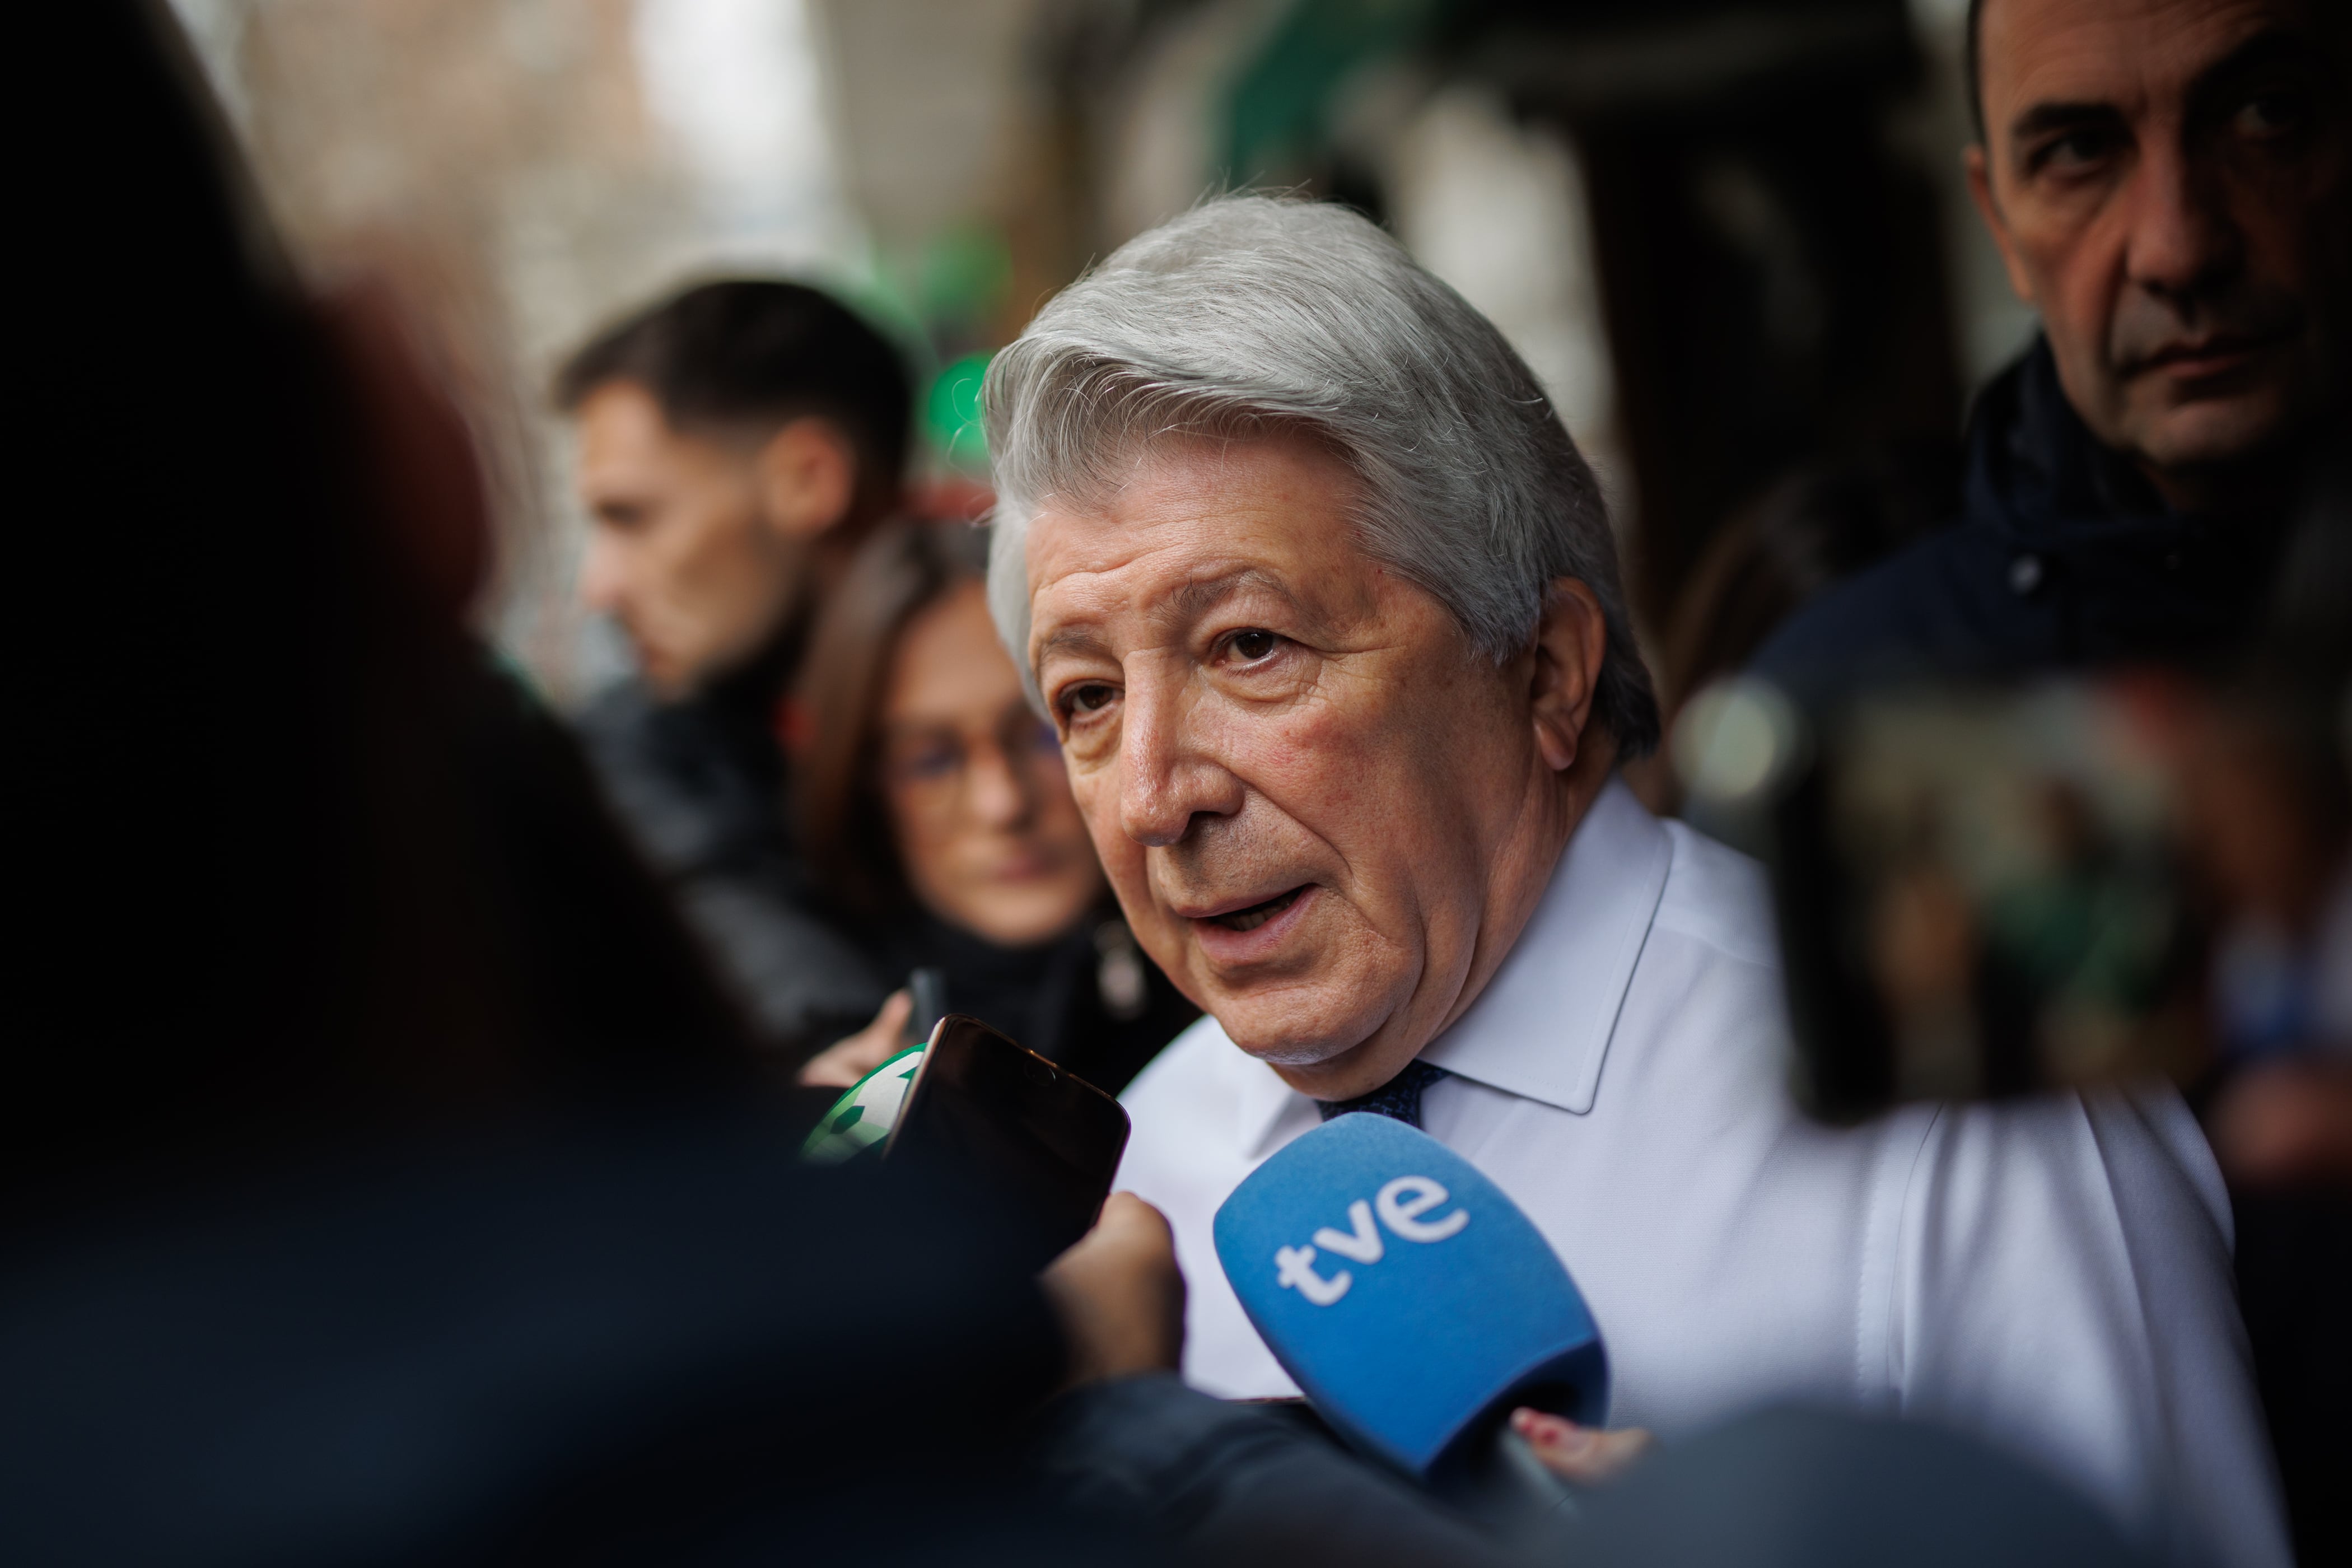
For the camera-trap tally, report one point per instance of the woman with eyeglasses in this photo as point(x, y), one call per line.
point(937, 820)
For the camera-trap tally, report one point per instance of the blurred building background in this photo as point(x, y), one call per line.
point(1729, 236)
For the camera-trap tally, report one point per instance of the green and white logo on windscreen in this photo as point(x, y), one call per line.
point(864, 1116)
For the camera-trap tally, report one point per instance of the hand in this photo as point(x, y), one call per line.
point(1586, 1455)
point(843, 1063)
point(1120, 1295)
point(2286, 1124)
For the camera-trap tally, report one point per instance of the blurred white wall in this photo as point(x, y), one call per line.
point(1497, 209)
point(934, 97)
point(740, 86)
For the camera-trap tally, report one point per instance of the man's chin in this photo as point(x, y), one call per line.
point(2212, 434)
point(671, 679)
point(1288, 1031)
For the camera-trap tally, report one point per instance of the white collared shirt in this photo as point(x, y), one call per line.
point(2052, 1275)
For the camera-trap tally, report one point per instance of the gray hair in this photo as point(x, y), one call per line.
point(1250, 314)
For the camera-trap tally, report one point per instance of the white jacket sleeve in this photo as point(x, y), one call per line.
point(2063, 1288)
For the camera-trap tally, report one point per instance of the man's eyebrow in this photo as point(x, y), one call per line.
point(2271, 47)
point(1071, 639)
point(2043, 117)
point(1189, 602)
point(1200, 595)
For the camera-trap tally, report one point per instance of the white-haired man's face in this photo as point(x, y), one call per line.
point(1326, 815)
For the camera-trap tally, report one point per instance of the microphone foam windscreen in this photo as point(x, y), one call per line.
point(1408, 1299)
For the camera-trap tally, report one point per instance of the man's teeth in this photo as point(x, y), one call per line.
point(1257, 915)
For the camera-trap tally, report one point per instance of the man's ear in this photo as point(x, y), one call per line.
point(807, 478)
point(1988, 208)
point(1571, 640)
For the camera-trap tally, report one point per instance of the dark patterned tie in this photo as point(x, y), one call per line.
point(1399, 1098)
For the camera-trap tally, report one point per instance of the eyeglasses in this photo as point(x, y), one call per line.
point(933, 764)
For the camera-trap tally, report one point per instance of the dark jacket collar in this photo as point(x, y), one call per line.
point(2037, 473)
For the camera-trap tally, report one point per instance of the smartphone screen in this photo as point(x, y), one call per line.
point(1044, 1143)
point(1979, 892)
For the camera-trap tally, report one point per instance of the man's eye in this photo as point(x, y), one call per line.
point(1091, 698)
point(2272, 113)
point(2074, 151)
point(1251, 645)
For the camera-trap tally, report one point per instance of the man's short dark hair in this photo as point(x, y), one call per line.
point(1973, 56)
point(749, 355)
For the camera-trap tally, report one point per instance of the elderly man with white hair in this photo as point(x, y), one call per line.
point(1324, 605)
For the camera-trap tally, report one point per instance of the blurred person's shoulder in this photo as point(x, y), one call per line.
point(626, 726)
point(1972, 599)
point(1949, 604)
point(674, 775)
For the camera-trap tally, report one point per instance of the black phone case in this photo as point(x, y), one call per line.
point(1041, 1144)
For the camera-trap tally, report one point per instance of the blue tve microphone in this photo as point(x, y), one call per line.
point(1408, 1298)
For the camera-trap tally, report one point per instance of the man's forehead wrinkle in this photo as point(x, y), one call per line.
point(2077, 61)
point(2111, 94)
point(2048, 115)
point(1079, 638)
point(1206, 587)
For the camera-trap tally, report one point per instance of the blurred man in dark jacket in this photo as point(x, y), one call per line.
point(736, 443)
point(383, 1177)
point(2166, 180)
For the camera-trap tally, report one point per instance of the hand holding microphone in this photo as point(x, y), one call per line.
point(1581, 1456)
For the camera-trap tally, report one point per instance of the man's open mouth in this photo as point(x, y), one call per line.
point(1257, 915)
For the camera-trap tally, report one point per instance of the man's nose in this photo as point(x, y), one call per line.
point(2183, 240)
point(1168, 774)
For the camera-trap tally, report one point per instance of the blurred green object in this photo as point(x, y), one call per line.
point(1280, 103)
point(863, 1117)
point(951, 413)
point(960, 277)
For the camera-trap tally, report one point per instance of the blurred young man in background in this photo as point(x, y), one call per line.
point(736, 444)
point(2166, 181)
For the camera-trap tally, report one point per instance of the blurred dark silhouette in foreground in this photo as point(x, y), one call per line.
point(304, 864)
point(385, 1177)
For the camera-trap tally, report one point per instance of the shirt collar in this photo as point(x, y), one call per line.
point(1541, 1027)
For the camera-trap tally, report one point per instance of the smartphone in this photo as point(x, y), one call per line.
point(1979, 892)
point(1042, 1142)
